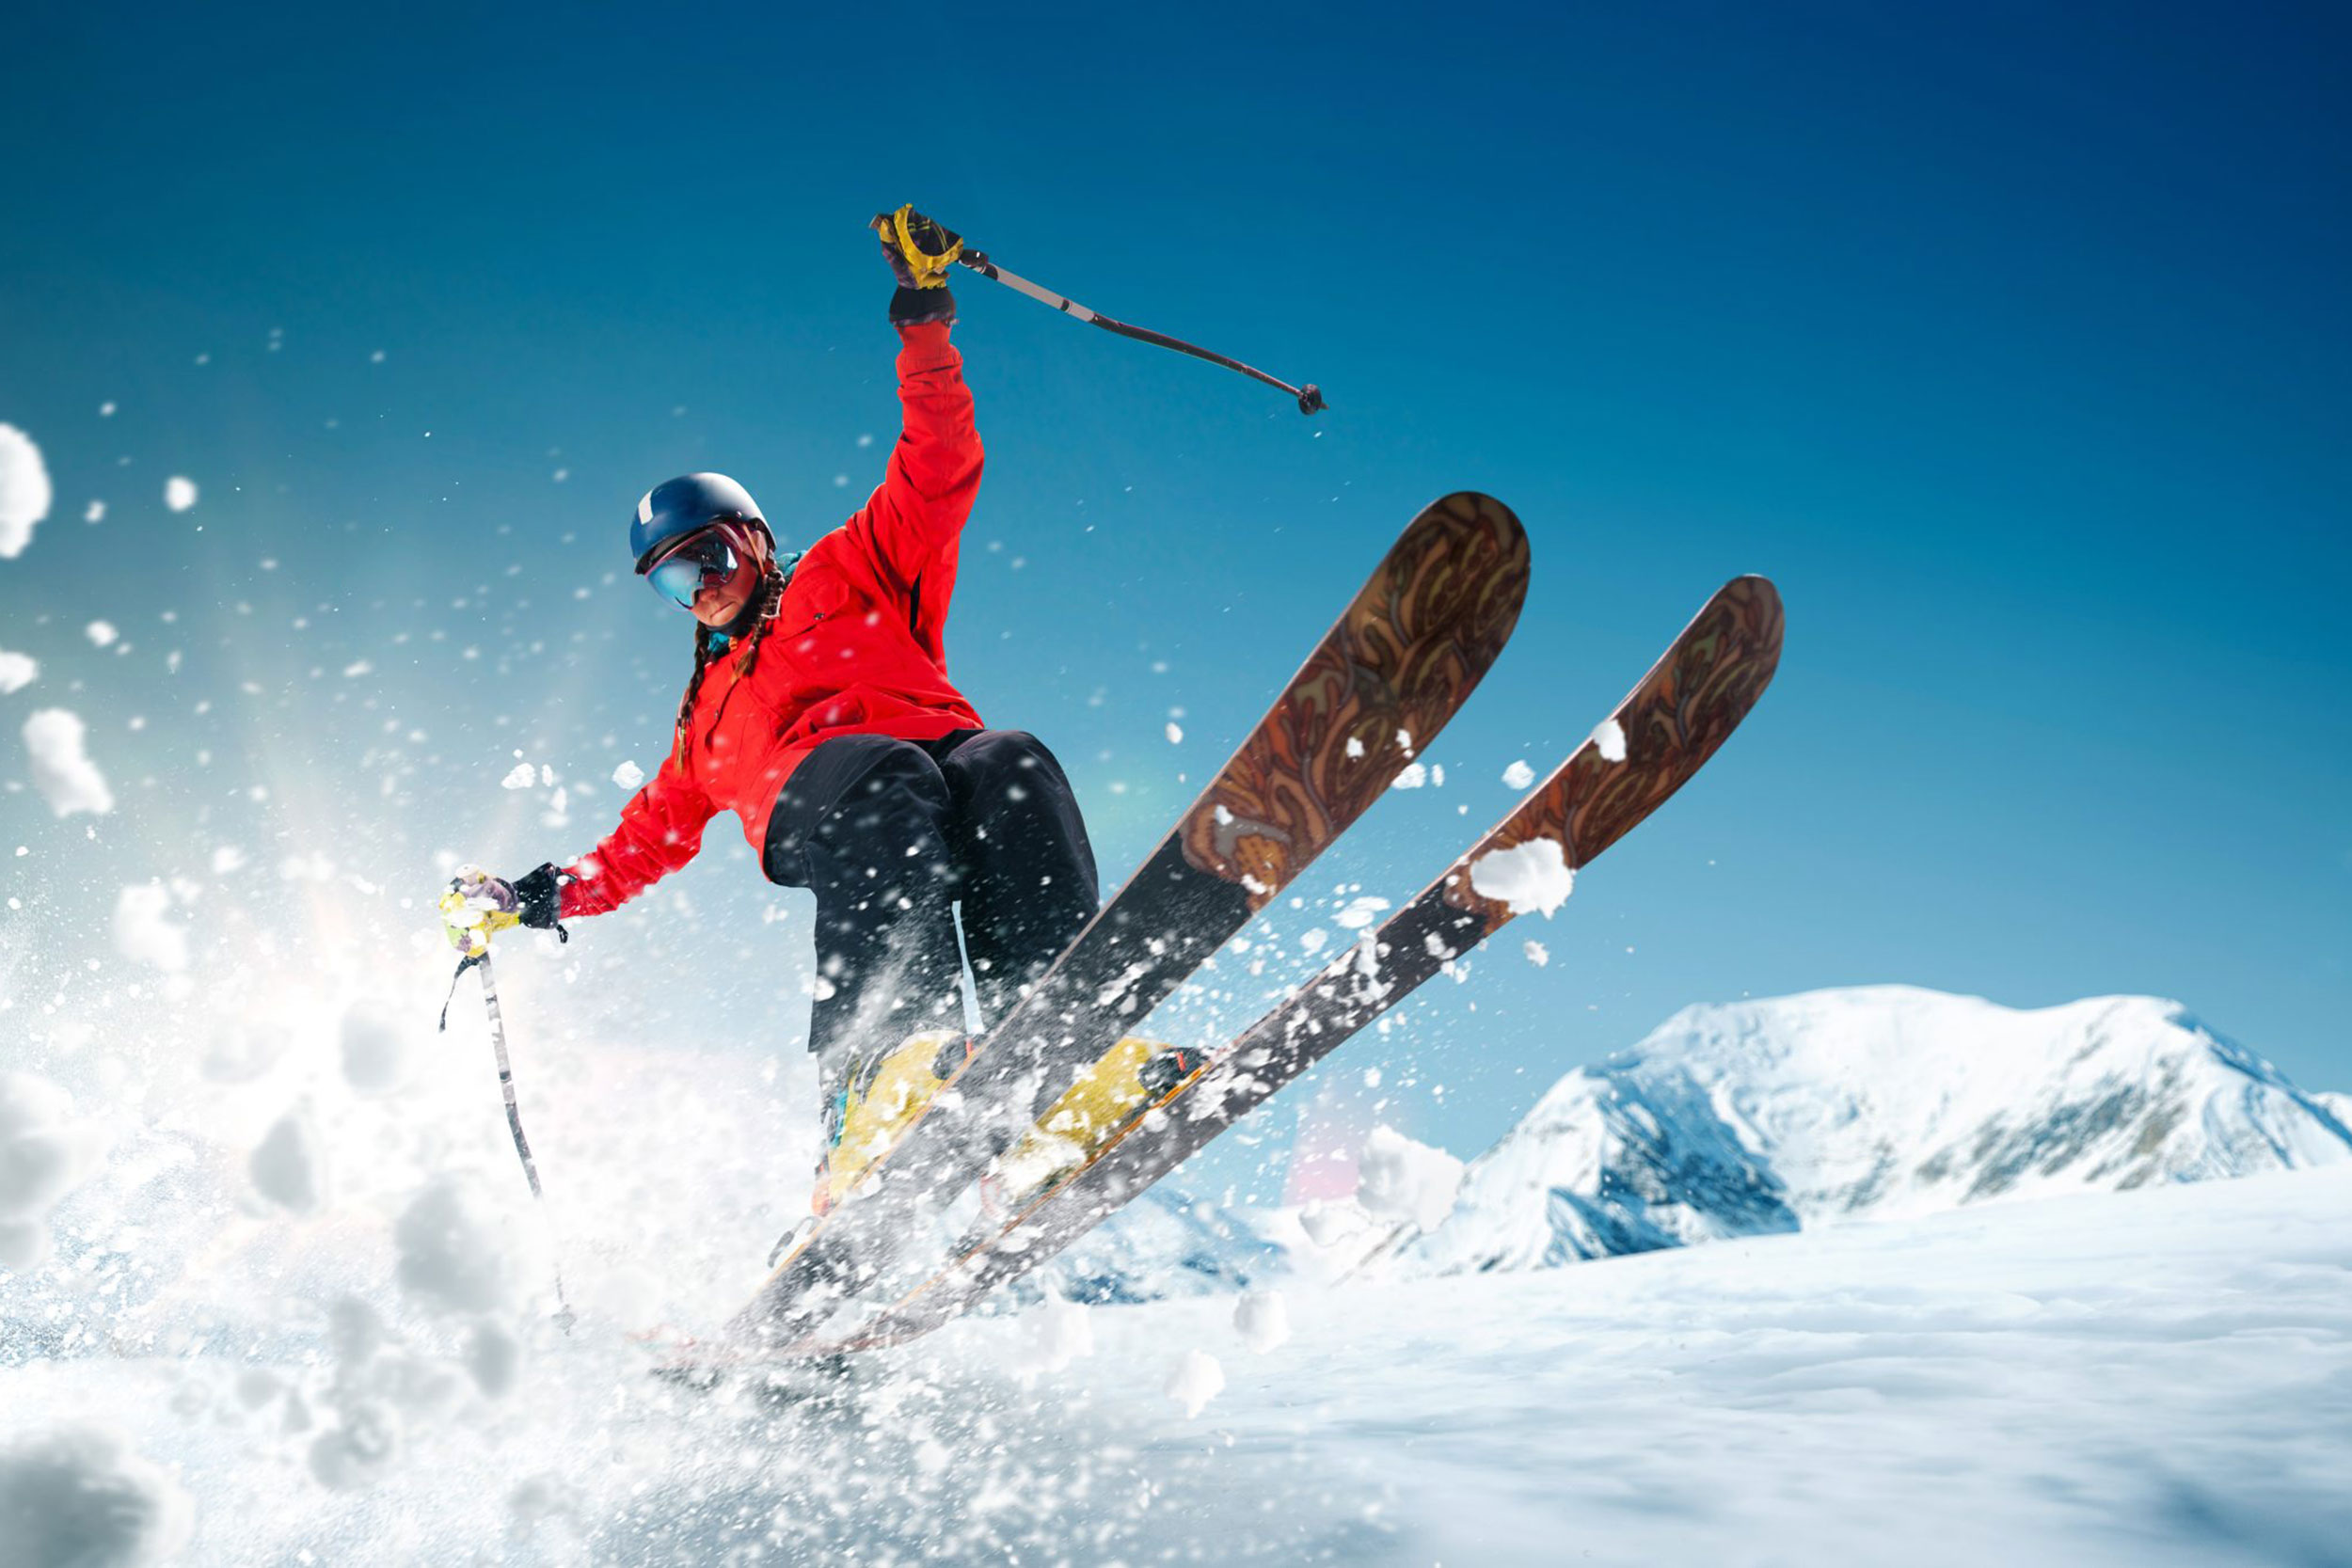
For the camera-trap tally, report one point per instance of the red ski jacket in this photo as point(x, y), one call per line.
point(855, 648)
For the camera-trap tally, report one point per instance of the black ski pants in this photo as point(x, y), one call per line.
point(889, 834)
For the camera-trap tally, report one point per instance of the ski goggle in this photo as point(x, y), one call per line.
point(700, 560)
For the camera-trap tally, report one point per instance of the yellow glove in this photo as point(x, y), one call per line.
point(476, 907)
point(919, 251)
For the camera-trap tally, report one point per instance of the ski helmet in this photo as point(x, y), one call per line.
point(678, 507)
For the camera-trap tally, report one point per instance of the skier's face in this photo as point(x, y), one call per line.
point(720, 599)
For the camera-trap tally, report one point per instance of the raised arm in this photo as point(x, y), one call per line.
point(935, 473)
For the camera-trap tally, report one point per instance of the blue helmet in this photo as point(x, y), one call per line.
point(687, 504)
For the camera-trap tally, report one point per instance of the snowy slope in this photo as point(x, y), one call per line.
point(2154, 1379)
point(1871, 1104)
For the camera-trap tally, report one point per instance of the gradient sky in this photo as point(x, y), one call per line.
point(2009, 340)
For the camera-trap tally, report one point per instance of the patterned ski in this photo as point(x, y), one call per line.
point(1403, 658)
point(1672, 723)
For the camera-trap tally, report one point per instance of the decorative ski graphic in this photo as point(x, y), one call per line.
point(1400, 661)
point(1682, 711)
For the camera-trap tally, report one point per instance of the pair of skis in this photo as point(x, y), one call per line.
point(1400, 661)
point(1439, 611)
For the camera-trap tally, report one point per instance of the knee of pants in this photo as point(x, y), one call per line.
point(1004, 759)
point(894, 796)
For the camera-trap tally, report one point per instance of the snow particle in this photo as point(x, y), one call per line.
point(62, 770)
point(1414, 776)
point(629, 776)
point(1196, 1380)
point(1530, 878)
point(1261, 1320)
point(94, 513)
point(101, 633)
point(1354, 747)
point(1518, 775)
point(24, 490)
point(1175, 734)
point(1609, 737)
point(178, 492)
point(521, 776)
point(1537, 953)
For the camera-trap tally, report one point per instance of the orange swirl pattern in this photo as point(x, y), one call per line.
point(1682, 711)
point(1401, 660)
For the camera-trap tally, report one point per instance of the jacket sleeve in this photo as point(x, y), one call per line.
point(934, 471)
point(661, 830)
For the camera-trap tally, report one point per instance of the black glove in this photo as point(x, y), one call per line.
point(537, 899)
point(919, 252)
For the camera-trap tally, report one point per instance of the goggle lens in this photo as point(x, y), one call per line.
point(705, 561)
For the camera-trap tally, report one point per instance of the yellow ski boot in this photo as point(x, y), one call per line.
point(1107, 1098)
point(878, 1104)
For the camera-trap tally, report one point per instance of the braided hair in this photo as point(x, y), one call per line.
point(706, 645)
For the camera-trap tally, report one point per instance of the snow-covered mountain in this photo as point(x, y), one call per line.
point(1874, 1103)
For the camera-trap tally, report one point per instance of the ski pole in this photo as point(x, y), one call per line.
point(565, 1317)
point(921, 249)
point(1310, 396)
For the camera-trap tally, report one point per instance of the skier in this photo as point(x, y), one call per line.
point(819, 711)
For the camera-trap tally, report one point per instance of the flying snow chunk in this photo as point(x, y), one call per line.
point(94, 513)
point(494, 1357)
point(1414, 776)
point(1518, 775)
point(101, 633)
point(1175, 734)
point(1532, 877)
point(1261, 1320)
point(24, 490)
point(375, 1046)
point(1329, 1224)
point(1609, 737)
point(44, 1154)
point(1360, 913)
point(62, 770)
point(521, 776)
point(629, 776)
point(78, 1497)
point(1196, 1380)
point(143, 929)
point(17, 671)
point(1537, 953)
point(179, 493)
point(287, 1165)
point(1058, 1333)
point(359, 1449)
point(1354, 747)
point(450, 1257)
point(1397, 1179)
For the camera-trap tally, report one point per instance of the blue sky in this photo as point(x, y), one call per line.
point(2011, 344)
